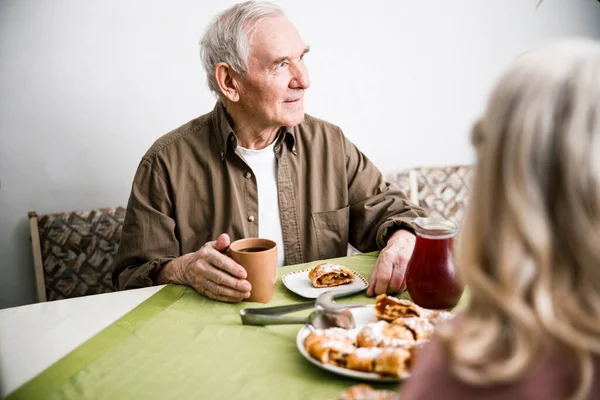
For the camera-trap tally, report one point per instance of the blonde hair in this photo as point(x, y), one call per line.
point(530, 250)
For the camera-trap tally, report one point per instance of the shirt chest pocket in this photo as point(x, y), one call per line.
point(331, 232)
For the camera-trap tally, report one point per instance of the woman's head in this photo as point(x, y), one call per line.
point(530, 253)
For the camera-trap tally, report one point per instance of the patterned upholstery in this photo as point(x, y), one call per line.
point(400, 179)
point(442, 191)
point(78, 250)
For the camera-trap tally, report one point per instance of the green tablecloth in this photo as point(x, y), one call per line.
point(178, 344)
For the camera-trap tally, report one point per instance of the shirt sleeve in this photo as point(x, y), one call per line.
point(148, 239)
point(377, 208)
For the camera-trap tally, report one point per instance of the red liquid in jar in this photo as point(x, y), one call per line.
point(431, 277)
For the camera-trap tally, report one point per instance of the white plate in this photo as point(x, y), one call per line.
point(299, 283)
point(362, 316)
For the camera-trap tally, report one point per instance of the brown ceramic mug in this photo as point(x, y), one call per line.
point(259, 259)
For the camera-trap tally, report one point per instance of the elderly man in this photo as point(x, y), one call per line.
point(257, 166)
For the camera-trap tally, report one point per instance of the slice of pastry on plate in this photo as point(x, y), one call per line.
point(329, 275)
point(336, 334)
point(363, 391)
point(384, 334)
point(395, 362)
point(329, 350)
point(390, 308)
point(439, 316)
point(363, 359)
point(421, 328)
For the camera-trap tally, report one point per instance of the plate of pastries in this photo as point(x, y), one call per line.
point(311, 282)
point(382, 347)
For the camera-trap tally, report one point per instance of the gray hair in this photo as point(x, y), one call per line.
point(227, 38)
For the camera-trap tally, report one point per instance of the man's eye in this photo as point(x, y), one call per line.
point(283, 64)
point(301, 57)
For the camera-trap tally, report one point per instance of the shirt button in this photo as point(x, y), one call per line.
point(248, 175)
point(251, 218)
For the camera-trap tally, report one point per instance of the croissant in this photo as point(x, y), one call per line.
point(329, 275)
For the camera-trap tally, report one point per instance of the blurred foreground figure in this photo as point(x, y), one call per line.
point(530, 251)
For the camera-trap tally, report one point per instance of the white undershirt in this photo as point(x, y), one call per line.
point(264, 166)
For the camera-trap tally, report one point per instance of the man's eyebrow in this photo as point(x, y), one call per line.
point(282, 59)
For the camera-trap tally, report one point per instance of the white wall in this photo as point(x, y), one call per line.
point(87, 86)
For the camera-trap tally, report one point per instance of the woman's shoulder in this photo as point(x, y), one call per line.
point(432, 378)
point(555, 376)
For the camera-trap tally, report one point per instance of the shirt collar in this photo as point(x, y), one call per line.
point(226, 136)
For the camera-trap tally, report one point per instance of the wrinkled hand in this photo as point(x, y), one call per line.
point(214, 274)
point(390, 268)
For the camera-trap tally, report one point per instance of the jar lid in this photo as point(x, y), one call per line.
point(435, 227)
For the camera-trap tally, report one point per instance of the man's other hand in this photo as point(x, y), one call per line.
point(390, 269)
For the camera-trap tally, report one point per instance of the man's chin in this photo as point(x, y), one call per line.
point(294, 120)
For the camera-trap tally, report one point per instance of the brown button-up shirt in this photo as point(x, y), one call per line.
point(191, 186)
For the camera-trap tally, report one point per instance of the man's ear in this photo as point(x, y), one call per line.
point(227, 80)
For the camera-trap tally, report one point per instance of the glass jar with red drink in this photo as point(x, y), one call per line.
point(431, 276)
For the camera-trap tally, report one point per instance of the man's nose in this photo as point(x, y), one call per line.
point(300, 79)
